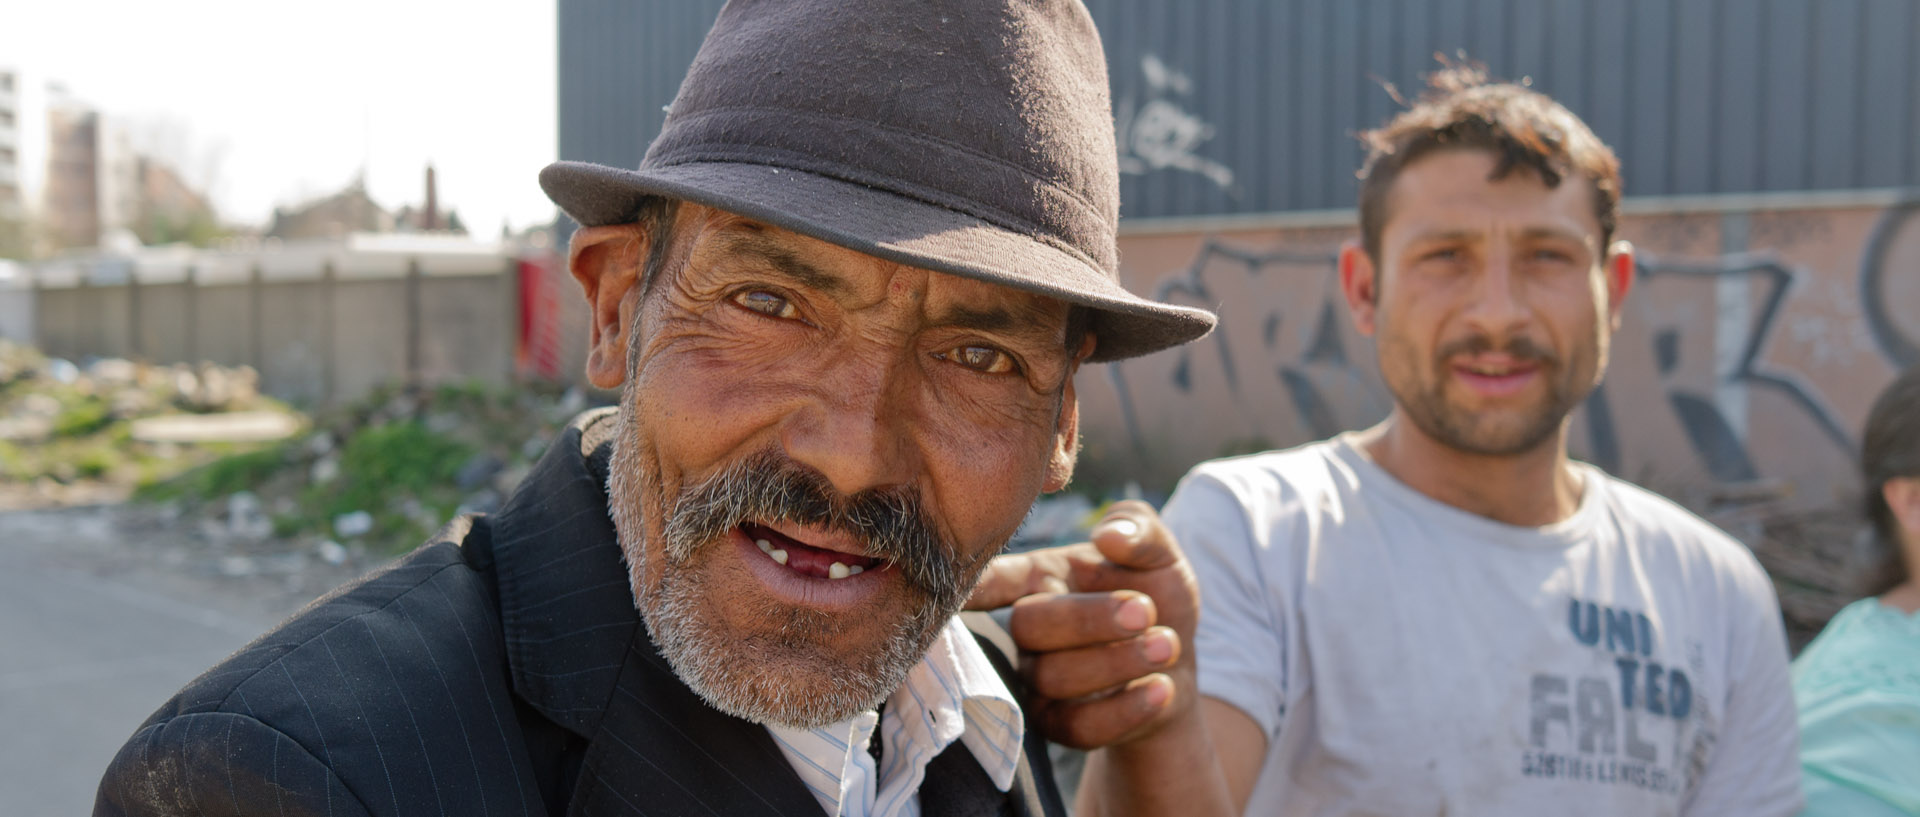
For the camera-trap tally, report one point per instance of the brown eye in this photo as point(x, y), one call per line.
point(766, 303)
point(985, 359)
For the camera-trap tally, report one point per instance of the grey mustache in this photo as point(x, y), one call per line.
point(890, 523)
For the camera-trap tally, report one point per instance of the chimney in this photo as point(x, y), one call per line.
point(430, 220)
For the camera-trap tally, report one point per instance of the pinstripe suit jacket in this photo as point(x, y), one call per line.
point(500, 669)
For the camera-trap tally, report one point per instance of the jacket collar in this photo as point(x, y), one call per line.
point(565, 605)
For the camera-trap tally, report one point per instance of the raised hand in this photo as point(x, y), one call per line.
point(1104, 627)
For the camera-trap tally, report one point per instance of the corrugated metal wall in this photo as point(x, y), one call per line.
point(621, 62)
point(1240, 106)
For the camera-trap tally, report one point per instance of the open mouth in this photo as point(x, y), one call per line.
point(805, 559)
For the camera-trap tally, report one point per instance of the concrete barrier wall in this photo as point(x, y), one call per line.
point(223, 324)
point(370, 343)
point(16, 314)
point(166, 325)
point(294, 341)
point(63, 327)
point(16, 303)
point(1752, 346)
point(472, 326)
point(314, 335)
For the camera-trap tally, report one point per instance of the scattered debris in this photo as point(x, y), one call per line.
point(211, 388)
point(331, 552)
point(245, 518)
point(478, 471)
point(325, 470)
point(225, 427)
point(94, 430)
point(352, 524)
point(484, 500)
point(236, 566)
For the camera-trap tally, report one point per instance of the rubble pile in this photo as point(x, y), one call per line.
point(374, 478)
point(264, 488)
point(67, 430)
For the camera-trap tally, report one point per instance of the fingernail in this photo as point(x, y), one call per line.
point(1123, 526)
point(1158, 648)
point(1159, 691)
point(1132, 615)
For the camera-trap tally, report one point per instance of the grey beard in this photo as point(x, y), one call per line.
point(778, 675)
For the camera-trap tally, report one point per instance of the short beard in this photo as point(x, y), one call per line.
point(780, 676)
point(1461, 430)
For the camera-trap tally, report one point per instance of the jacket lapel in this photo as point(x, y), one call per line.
point(956, 786)
point(661, 750)
point(582, 657)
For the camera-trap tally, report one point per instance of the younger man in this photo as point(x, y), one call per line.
point(1444, 614)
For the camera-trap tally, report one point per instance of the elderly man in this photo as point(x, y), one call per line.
point(845, 295)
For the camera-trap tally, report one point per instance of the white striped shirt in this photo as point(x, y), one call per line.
point(953, 693)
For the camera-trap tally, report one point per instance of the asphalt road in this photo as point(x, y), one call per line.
point(101, 619)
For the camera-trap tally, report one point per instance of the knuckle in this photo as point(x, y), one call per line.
point(1080, 734)
point(1066, 678)
point(1034, 617)
point(1046, 677)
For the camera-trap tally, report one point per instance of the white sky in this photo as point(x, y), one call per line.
point(271, 103)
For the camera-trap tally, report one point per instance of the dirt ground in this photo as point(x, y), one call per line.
point(106, 610)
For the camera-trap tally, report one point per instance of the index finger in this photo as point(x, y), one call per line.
point(1131, 535)
point(1011, 576)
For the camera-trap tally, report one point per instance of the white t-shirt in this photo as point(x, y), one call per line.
point(1405, 657)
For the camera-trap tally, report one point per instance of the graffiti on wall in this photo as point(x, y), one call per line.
point(1287, 367)
point(1294, 370)
point(1158, 133)
point(1876, 267)
point(1719, 446)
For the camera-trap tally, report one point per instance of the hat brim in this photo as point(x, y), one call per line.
point(885, 225)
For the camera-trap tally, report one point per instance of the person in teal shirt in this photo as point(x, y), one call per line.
point(1858, 684)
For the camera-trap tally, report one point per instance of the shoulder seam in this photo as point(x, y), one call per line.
point(234, 689)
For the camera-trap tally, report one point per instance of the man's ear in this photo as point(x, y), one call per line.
point(1066, 431)
point(1903, 497)
point(1359, 281)
point(606, 261)
point(1620, 277)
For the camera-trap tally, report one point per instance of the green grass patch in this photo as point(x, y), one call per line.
point(82, 416)
point(15, 465)
point(395, 454)
point(96, 461)
point(399, 459)
point(243, 471)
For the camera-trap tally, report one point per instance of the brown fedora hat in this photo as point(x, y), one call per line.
point(971, 137)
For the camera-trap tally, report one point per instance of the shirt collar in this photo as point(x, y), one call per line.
point(953, 693)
